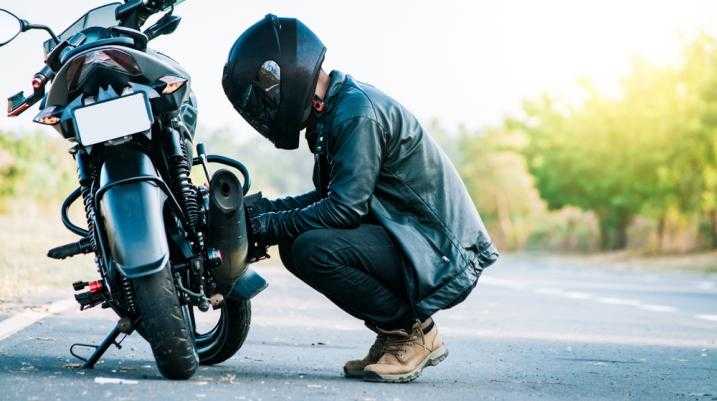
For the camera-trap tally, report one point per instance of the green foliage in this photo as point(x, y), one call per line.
point(650, 151)
point(34, 167)
point(497, 178)
point(588, 157)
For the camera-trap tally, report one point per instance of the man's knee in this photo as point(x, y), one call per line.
point(285, 254)
point(311, 252)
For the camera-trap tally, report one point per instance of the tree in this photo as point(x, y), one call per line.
point(650, 151)
point(497, 178)
point(698, 80)
point(592, 156)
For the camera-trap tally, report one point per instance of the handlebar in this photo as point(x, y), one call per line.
point(18, 103)
point(134, 13)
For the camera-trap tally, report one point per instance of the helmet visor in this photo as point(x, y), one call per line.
point(259, 101)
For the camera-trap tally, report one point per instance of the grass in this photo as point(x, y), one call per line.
point(697, 262)
point(26, 273)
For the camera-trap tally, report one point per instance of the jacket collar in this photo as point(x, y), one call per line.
point(315, 136)
point(336, 81)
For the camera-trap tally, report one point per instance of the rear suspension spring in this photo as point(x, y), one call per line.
point(187, 192)
point(88, 202)
point(128, 293)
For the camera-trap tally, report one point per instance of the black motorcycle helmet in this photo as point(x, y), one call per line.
point(270, 77)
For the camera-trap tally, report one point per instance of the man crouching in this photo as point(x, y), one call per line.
point(390, 234)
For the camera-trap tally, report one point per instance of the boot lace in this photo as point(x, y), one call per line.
point(398, 346)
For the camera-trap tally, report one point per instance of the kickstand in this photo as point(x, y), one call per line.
point(123, 326)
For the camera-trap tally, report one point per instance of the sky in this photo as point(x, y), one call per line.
point(463, 62)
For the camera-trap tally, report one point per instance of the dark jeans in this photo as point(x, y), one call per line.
point(360, 270)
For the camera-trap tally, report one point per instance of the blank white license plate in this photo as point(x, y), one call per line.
point(112, 119)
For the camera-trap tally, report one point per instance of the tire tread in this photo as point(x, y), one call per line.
point(162, 325)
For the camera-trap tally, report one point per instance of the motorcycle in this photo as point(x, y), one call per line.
point(164, 247)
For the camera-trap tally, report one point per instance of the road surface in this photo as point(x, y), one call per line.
point(535, 329)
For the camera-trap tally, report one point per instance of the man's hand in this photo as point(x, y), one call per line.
point(253, 208)
point(256, 204)
point(257, 246)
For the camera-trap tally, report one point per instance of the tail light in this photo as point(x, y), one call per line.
point(49, 115)
point(112, 59)
point(170, 84)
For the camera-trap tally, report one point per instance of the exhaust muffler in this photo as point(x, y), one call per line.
point(227, 232)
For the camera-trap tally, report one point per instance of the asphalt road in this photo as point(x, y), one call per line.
point(535, 329)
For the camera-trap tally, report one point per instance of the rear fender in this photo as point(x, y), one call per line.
point(131, 202)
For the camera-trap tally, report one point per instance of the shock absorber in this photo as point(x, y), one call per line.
point(186, 192)
point(88, 202)
point(97, 293)
point(189, 198)
point(128, 293)
point(85, 177)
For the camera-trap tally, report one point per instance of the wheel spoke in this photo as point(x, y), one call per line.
point(207, 342)
point(188, 314)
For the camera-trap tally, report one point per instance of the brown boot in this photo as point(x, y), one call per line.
point(406, 354)
point(355, 368)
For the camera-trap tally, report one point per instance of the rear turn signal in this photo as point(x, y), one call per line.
point(48, 116)
point(171, 84)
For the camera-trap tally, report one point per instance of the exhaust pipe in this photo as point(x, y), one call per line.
point(227, 232)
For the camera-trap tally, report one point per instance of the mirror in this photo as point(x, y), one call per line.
point(166, 25)
point(10, 26)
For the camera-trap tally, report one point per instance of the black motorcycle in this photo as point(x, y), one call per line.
point(164, 247)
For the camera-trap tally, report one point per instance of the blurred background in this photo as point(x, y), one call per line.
point(587, 128)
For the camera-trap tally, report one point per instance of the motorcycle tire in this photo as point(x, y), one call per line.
point(162, 325)
point(229, 335)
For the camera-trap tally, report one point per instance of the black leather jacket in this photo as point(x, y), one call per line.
point(374, 161)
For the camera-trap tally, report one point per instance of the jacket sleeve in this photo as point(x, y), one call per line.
point(356, 151)
point(289, 202)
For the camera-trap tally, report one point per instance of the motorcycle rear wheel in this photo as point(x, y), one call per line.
point(227, 336)
point(162, 325)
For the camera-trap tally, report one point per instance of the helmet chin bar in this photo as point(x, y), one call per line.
point(287, 139)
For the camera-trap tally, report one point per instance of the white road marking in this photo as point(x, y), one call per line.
point(658, 308)
point(549, 291)
point(499, 282)
point(578, 295)
point(17, 322)
point(588, 338)
point(272, 321)
point(552, 291)
point(114, 380)
point(618, 301)
point(706, 285)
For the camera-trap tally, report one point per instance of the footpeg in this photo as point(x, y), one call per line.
point(94, 296)
point(65, 251)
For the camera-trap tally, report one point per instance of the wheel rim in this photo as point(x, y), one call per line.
point(209, 342)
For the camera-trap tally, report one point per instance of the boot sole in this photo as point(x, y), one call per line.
point(354, 374)
point(433, 359)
